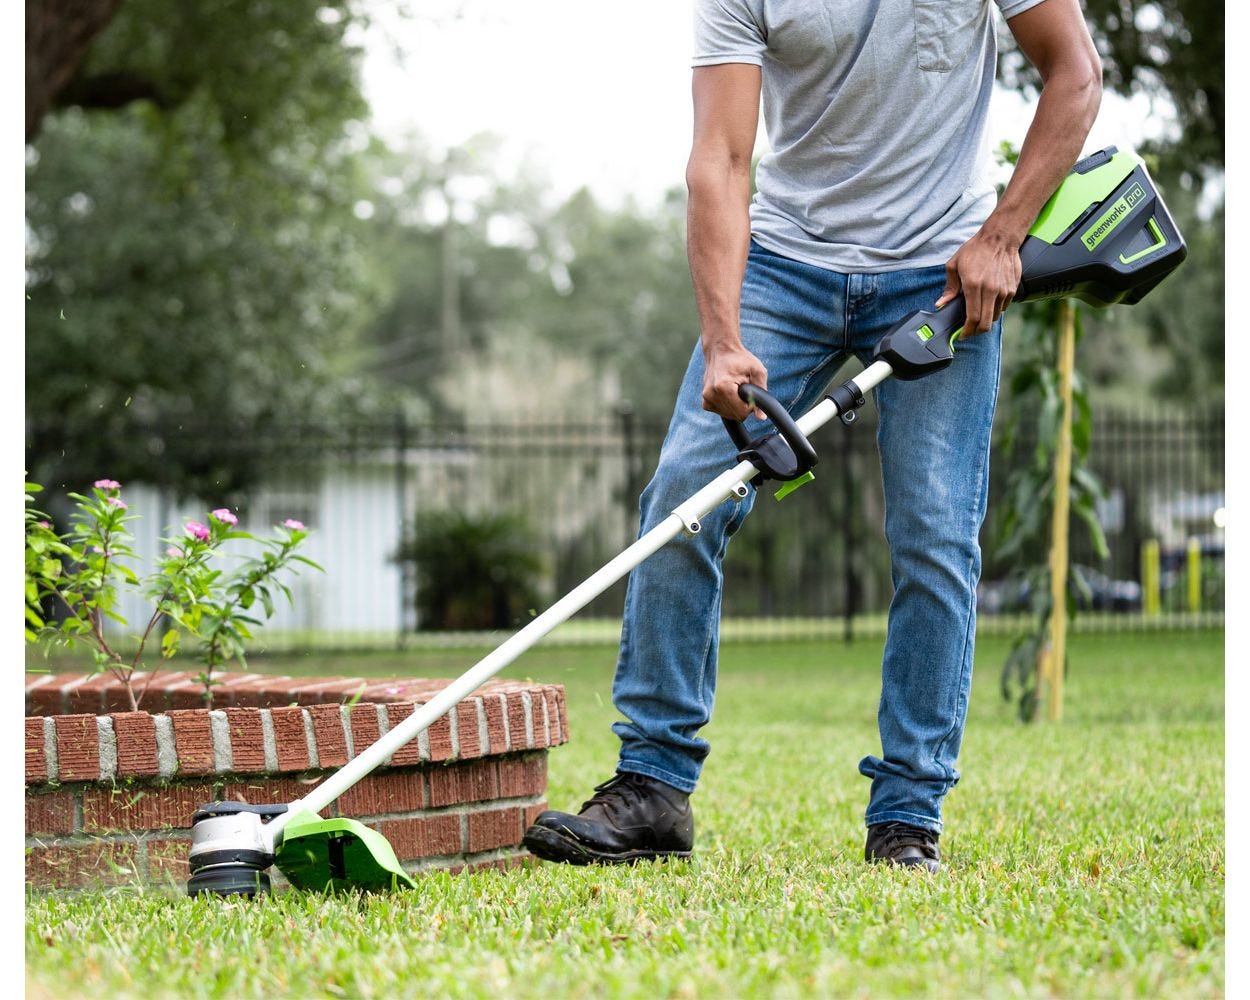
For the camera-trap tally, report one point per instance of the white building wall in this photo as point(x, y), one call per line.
point(355, 526)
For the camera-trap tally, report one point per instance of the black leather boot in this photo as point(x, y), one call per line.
point(630, 818)
point(900, 844)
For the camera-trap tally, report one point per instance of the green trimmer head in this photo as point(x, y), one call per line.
point(329, 854)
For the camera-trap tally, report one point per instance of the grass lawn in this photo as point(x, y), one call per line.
point(1084, 859)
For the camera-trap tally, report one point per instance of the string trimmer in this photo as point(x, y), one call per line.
point(1105, 237)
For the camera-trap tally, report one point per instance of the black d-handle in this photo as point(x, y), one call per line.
point(784, 455)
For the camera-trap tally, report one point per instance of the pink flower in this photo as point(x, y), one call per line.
point(107, 484)
point(117, 502)
point(197, 530)
point(223, 515)
point(45, 524)
point(293, 524)
point(173, 553)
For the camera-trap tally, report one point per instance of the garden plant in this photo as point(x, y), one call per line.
point(73, 582)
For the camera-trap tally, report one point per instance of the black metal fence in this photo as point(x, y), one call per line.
point(543, 506)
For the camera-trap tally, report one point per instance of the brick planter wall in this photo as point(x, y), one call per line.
point(110, 793)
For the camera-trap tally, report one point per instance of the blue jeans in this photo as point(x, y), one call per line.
point(934, 439)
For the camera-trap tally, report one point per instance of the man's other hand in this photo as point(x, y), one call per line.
point(726, 368)
point(987, 270)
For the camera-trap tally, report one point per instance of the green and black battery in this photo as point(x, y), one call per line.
point(1105, 237)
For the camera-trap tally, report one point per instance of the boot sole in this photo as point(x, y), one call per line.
point(550, 845)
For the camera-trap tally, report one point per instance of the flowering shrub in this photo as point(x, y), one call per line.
point(79, 575)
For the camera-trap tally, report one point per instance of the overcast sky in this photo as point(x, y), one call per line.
point(594, 93)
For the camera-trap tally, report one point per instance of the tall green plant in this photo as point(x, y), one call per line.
point(1023, 529)
point(473, 571)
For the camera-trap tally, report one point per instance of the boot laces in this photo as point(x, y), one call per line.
point(895, 836)
point(623, 789)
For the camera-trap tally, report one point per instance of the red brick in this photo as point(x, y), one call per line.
point(522, 776)
point(160, 808)
point(410, 752)
point(538, 705)
point(457, 783)
point(467, 729)
point(330, 689)
point(36, 758)
point(364, 722)
point(224, 693)
point(440, 740)
point(328, 731)
point(516, 722)
point(115, 697)
point(423, 836)
point(47, 698)
point(291, 739)
point(157, 697)
point(280, 692)
point(399, 792)
point(247, 740)
point(89, 695)
point(193, 740)
point(167, 861)
point(185, 696)
point(77, 747)
point(495, 828)
point(551, 694)
point(496, 731)
point(136, 744)
point(263, 791)
point(252, 693)
point(83, 866)
point(531, 812)
point(562, 704)
point(51, 813)
point(382, 691)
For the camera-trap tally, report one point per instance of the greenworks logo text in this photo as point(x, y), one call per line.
point(1112, 217)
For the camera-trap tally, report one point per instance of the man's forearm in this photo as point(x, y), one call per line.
point(718, 235)
point(1066, 109)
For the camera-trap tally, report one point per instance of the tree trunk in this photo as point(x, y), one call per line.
point(58, 35)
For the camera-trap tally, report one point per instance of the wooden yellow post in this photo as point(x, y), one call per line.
point(1150, 577)
point(1193, 574)
point(1051, 682)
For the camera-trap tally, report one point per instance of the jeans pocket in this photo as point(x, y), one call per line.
point(946, 31)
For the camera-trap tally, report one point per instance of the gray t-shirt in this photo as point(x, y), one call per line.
point(876, 113)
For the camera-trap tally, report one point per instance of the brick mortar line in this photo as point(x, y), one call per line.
point(456, 808)
point(49, 750)
point(528, 702)
point(166, 746)
point(223, 748)
point(106, 747)
point(268, 741)
point(163, 781)
point(310, 739)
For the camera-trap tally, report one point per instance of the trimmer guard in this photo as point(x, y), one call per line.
point(340, 853)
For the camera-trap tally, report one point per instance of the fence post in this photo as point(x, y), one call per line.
point(407, 568)
point(1193, 559)
point(1150, 577)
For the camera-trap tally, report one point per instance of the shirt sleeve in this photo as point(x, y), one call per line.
point(727, 31)
point(1010, 8)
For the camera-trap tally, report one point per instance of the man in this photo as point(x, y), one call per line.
point(873, 203)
